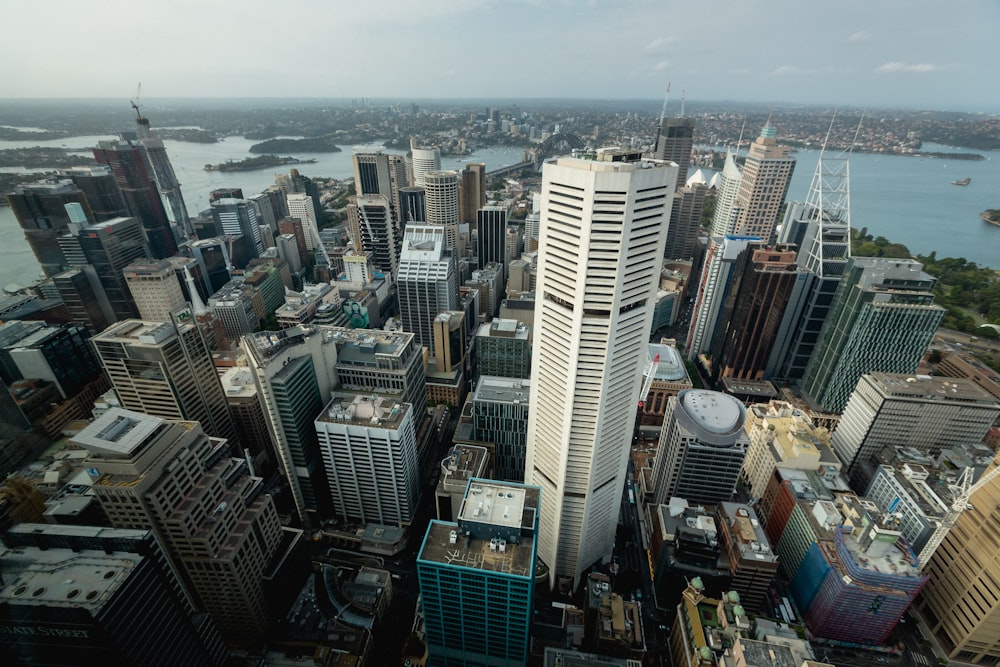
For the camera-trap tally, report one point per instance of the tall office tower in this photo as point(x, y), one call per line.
point(295, 227)
point(84, 299)
point(165, 369)
point(219, 528)
point(60, 354)
point(713, 288)
point(225, 193)
point(920, 412)
point(604, 224)
point(370, 220)
point(491, 223)
point(263, 206)
point(413, 206)
point(764, 182)
point(82, 595)
point(379, 173)
point(472, 192)
point(882, 319)
point(155, 288)
point(477, 577)
point(702, 447)
point(163, 173)
point(214, 261)
point(513, 245)
point(237, 217)
point(959, 603)
point(441, 198)
point(763, 280)
point(674, 142)
point(422, 161)
point(503, 348)
point(40, 209)
point(685, 221)
point(278, 202)
point(369, 449)
point(821, 229)
point(99, 186)
point(500, 416)
point(294, 370)
point(427, 283)
point(129, 164)
point(103, 250)
point(724, 217)
point(301, 206)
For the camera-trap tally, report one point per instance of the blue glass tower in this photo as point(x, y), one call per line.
point(477, 577)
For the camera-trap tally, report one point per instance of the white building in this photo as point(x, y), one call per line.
point(441, 201)
point(369, 450)
point(427, 284)
point(301, 206)
point(603, 229)
point(424, 160)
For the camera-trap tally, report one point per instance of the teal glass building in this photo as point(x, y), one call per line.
point(477, 577)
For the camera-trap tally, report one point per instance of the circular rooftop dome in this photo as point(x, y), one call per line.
point(713, 411)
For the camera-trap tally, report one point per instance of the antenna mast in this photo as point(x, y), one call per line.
point(663, 111)
point(683, 99)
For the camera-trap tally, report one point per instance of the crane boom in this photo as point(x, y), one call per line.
point(962, 490)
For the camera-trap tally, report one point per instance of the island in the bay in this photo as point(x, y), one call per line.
point(323, 144)
point(991, 215)
point(256, 162)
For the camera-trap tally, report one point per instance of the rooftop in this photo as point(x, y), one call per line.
point(715, 418)
point(137, 332)
point(928, 388)
point(555, 657)
point(502, 390)
point(671, 368)
point(118, 433)
point(462, 464)
point(364, 410)
point(747, 533)
point(766, 654)
point(503, 328)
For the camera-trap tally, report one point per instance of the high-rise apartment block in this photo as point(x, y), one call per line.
point(477, 577)
point(302, 207)
point(81, 595)
point(219, 528)
point(882, 319)
point(441, 200)
point(374, 231)
point(604, 224)
point(702, 447)
point(369, 449)
point(928, 414)
point(165, 369)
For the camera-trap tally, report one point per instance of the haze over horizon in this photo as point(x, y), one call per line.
point(893, 53)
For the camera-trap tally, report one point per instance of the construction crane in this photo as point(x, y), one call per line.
point(961, 491)
point(319, 242)
point(648, 384)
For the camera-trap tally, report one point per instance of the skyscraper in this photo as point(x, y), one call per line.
point(238, 217)
point(369, 449)
point(702, 447)
point(674, 142)
point(91, 595)
point(165, 369)
point(379, 173)
point(441, 199)
point(472, 191)
point(163, 173)
point(477, 577)
point(102, 191)
point(156, 288)
point(422, 161)
point(370, 220)
point(685, 221)
point(413, 206)
point(491, 224)
point(821, 229)
point(500, 416)
point(724, 218)
point(766, 175)
point(301, 206)
point(598, 264)
point(763, 279)
point(427, 283)
point(882, 319)
point(40, 209)
point(219, 529)
point(133, 172)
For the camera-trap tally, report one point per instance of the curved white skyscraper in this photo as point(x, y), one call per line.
point(603, 229)
point(424, 160)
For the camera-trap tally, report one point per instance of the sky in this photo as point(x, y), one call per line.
point(926, 54)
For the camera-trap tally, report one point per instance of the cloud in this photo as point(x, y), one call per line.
point(662, 65)
point(859, 37)
point(659, 45)
point(897, 67)
point(786, 70)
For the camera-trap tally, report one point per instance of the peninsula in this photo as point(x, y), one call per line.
point(323, 144)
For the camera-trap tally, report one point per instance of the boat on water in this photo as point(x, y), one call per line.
point(963, 181)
